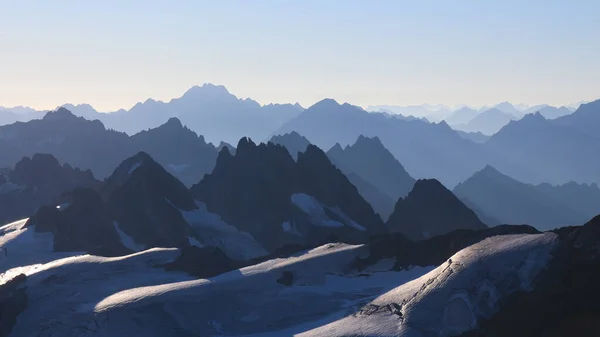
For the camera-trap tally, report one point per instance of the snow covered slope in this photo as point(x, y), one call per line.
point(318, 292)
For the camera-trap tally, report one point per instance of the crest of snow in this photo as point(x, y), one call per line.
point(316, 211)
point(177, 168)
point(24, 246)
point(74, 292)
point(288, 227)
point(134, 167)
point(211, 230)
point(452, 298)
point(127, 240)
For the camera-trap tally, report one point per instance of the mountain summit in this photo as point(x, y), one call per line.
point(429, 210)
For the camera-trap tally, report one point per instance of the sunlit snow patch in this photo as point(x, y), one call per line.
point(316, 211)
point(127, 240)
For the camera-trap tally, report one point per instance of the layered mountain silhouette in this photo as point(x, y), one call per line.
point(424, 149)
point(509, 109)
point(70, 139)
point(586, 119)
point(89, 145)
point(551, 112)
point(544, 206)
point(488, 122)
point(430, 209)
point(36, 181)
point(293, 142)
point(279, 201)
point(368, 159)
point(178, 149)
point(536, 150)
point(209, 110)
point(140, 206)
point(461, 116)
point(475, 137)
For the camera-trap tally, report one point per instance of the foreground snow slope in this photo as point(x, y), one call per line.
point(315, 293)
point(452, 298)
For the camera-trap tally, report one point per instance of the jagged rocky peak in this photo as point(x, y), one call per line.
point(293, 142)
point(174, 122)
point(326, 103)
point(430, 209)
point(227, 146)
point(59, 114)
point(279, 201)
point(147, 203)
point(141, 174)
point(44, 171)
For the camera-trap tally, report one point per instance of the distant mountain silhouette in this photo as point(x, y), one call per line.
point(535, 108)
point(461, 116)
point(550, 112)
point(586, 119)
point(178, 149)
point(292, 141)
point(582, 198)
point(435, 113)
point(89, 145)
point(535, 150)
point(209, 110)
point(18, 114)
point(430, 210)
point(487, 122)
point(279, 201)
point(435, 150)
point(509, 109)
point(74, 140)
point(512, 202)
point(226, 145)
point(370, 160)
point(37, 181)
point(476, 137)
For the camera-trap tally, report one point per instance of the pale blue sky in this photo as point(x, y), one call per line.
point(113, 54)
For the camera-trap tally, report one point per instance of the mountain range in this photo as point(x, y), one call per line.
point(208, 109)
point(263, 230)
point(543, 206)
point(89, 145)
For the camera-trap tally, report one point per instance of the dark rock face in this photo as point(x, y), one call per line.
point(140, 200)
point(287, 278)
point(253, 191)
point(145, 200)
point(13, 300)
point(178, 149)
point(82, 223)
point(564, 300)
point(38, 181)
point(430, 210)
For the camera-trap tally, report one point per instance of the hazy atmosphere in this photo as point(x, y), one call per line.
point(326, 168)
point(112, 54)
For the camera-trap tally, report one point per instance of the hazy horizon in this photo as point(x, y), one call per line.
point(112, 55)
